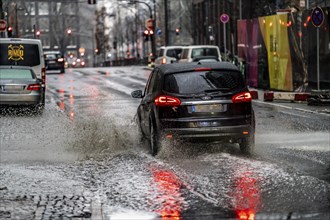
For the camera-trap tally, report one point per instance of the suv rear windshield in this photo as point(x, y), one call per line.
point(203, 82)
point(19, 54)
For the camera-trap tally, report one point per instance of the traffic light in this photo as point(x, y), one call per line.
point(69, 31)
point(177, 31)
point(146, 35)
point(10, 31)
point(38, 34)
point(92, 2)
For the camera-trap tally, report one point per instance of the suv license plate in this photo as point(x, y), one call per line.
point(209, 108)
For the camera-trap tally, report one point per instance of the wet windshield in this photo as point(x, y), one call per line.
point(201, 82)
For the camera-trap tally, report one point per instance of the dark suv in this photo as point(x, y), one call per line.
point(196, 102)
point(54, 61)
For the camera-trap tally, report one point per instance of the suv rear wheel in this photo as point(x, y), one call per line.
point(247, 144)
point(154, 140)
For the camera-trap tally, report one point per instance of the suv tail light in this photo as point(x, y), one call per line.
point(165, 100)
point(164, 60)
point(34, 87)
point(60, 59)
point(242, 97)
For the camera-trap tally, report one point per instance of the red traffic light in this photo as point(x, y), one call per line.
point(146, 32)
point(69, 31)
point(38, 33)
point(177, 31)
point(10, 31)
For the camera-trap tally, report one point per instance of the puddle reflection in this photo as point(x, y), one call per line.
point(168, 193)
point(246, 196)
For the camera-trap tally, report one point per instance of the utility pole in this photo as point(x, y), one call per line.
point(166, 22)
point(2, 16)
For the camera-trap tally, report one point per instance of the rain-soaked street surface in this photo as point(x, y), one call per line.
point(80, 159)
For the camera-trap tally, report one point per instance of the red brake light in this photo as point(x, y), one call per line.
point(34, 87)
point(242, 97)
point(165, 100)
point(164, 60)
point(203, 69)
point(60, 59)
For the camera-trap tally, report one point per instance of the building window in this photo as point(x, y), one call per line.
point(43, 8)
point(44, 24)
point(31, 8)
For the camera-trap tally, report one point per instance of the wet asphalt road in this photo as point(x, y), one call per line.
point(79, 159)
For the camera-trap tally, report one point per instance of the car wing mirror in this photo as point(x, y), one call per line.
point(137, 94)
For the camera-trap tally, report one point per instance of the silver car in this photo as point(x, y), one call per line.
point(20, 86)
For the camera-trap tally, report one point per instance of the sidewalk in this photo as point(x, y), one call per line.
point(288, 100)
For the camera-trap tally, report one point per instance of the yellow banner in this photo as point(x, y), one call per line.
point(274, 31)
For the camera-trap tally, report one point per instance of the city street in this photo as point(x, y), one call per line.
point(81, 159)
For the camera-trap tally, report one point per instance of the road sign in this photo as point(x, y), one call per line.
point(150, 24)
point(3, 25)
point(317, 16)
point(224, 18)
point(158, 32)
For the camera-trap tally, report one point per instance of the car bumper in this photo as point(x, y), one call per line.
point(207, 134)
point(20, 99)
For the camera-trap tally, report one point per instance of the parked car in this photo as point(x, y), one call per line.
point(25, 53)
point(206, 102)
point(189, 53)
point(20, 86)
point(54, 61)
point(168, 54)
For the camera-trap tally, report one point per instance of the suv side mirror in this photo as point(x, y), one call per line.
point(137, 94)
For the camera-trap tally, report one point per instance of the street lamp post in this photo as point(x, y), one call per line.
point(16, 19)
point(153, 42)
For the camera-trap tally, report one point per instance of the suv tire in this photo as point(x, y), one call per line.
point(154, 140)
point(247, 144)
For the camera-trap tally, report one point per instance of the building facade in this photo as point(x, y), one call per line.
point(65, 25)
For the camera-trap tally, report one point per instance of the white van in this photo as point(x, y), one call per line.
point(197, 52)
point(24, 52)
point(168, 54)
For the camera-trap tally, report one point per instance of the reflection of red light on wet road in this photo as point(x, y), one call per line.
point(61, 105)
point(71, 115)
point(170, 198)
point(71, 99)
point(246, 196)
point(246, 214)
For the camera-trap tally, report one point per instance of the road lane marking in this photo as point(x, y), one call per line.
point(292, 108)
